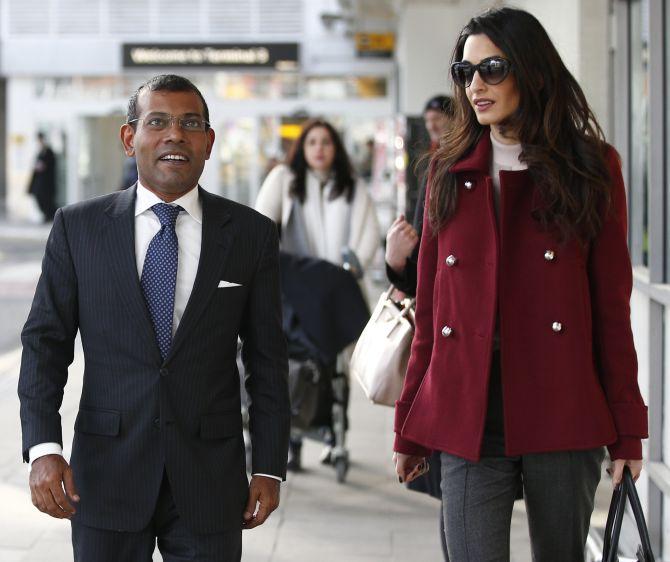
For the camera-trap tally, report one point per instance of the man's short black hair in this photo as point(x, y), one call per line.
point(442, 103)
point(164, 83)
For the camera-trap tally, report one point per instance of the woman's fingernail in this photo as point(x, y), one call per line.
point(400, 479)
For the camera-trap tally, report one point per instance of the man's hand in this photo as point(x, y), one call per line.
point(401, 239)
point(617, 470)
point(263, 500)
point(48, 475)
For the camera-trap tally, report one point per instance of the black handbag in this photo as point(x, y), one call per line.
point(615, 518)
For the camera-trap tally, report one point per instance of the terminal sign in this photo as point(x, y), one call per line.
point(375, 44)
point(281, 56)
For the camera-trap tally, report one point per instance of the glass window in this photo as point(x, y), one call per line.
point(237, 157)
point(639, 142)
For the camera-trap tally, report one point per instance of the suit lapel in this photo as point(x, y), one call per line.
point(214, 249)
point(120, 242)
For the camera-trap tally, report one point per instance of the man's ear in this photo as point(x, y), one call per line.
point(210, 142)
point(127, 134)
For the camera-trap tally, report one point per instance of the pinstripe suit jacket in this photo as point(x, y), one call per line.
point(139, 415)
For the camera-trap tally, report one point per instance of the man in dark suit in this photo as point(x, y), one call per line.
point(159, 280)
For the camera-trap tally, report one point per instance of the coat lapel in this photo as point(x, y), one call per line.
point(479, 157)
point(214, 249)
point(120, 243)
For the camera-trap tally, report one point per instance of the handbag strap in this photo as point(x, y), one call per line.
point(615, 519)
point(636, 507)
point(406, 303)
point(613, 526)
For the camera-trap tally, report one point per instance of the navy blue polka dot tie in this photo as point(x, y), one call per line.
point(159, 275)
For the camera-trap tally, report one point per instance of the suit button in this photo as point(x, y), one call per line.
point(446, 331)
point(549, 255)
point(557, 327)
point(468, 184)
point(157, 422)
point(163, 372)
point(451, 260)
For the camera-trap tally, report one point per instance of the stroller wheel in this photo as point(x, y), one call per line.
point(341, 469)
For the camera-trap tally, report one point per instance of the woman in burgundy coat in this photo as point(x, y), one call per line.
point(523, 366)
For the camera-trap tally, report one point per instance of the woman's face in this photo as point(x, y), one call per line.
point(492, 104)
point(319, 149)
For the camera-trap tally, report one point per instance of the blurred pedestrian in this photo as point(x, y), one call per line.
point(43, 182)
point(322, 210)
point(402, 251)
point(129, 172)
point(402, 238)
point(523, 365)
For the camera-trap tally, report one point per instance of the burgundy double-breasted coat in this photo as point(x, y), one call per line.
point(568, 363)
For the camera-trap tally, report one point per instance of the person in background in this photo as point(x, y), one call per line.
point(43, 182)
point(129, 172)
point(402, 250)
point(523, 365)
point(322, 210)
point(402, 238)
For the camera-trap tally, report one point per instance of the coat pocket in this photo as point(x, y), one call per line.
point(98, 422)
point(221, 425)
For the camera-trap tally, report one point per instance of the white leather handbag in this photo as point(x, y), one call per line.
point(380, 358)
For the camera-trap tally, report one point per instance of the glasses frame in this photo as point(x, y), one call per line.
point(478, 68)
point(173, 119)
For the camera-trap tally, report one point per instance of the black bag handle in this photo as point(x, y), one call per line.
point(615, 518)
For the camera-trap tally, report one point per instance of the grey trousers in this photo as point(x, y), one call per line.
point(478, 497)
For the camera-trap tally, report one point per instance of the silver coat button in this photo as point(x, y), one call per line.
point(557, 327)
point(549, 255)
point(451, 260)
point(446, 331)
point(468, 184)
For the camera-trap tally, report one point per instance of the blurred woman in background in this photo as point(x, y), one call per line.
point(322, 211)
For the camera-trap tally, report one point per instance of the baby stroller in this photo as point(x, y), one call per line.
point(324, 312)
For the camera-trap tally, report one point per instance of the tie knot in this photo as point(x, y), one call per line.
point(167, 214)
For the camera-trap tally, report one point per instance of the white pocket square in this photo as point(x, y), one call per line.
point(223, 284)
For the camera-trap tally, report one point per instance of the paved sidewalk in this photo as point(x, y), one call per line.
point(369, 518)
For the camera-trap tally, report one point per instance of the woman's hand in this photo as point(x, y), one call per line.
point(617, 470)
point(409, 467)
point(401, 239)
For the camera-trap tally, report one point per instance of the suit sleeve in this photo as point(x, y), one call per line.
point(422, 343)
point(266, 363)
point(48, 343)
point(611, 282)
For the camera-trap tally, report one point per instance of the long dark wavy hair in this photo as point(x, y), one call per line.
point(562, 143)
point(345, 182)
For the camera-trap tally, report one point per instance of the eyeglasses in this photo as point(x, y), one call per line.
point(492, 70)
point(161, 121)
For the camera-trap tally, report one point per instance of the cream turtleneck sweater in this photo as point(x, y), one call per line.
point(504, 157)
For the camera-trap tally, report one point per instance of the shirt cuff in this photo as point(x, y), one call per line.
point(44, 449)
point(267, 476)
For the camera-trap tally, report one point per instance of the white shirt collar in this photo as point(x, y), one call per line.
point(190, 202)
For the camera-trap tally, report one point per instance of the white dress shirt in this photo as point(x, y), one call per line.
point(189, 234)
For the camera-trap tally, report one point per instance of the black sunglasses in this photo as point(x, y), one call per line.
point(493, 70)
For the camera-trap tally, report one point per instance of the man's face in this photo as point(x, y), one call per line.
point(169, 161)
point(436, 123)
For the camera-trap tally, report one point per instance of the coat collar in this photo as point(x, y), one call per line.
point(479, 157)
